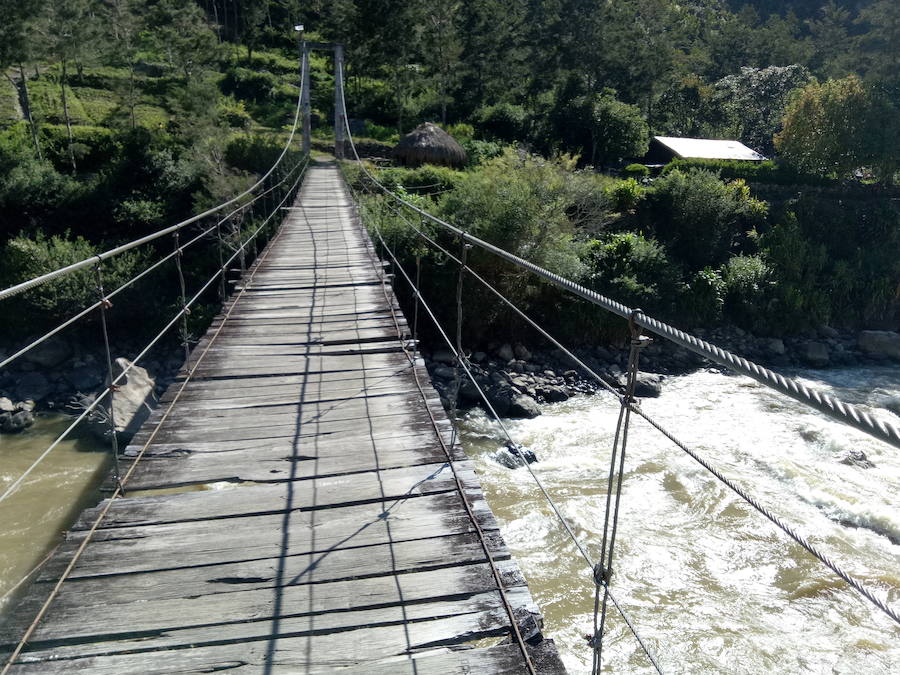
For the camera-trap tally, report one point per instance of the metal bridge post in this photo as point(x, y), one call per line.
point(304, 100)
point(105, 304)
point(340, 114)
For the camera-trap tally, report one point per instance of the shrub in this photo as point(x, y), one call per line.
point(700, 217)
point(504, 121)
point(460, 131)
point(636, 171)
point(626, 195)
point(769, 172)
point(249, 84)
point(24, 258)
point(233, 113)
point(426, 179)
point(704, 297)
point(380, 133)
point(632, 269)
point(747, 291)
point(478, 152)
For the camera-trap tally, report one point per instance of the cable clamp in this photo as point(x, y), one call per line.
point(105, 303)
point(602, 575)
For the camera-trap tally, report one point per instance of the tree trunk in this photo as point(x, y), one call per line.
point(65, 105)
point(131, 102)
point(22, 87)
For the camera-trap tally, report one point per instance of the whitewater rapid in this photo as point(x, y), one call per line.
point(710, 583)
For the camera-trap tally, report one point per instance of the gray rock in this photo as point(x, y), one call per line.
point(815, 354)
point(131, 403)
point(85, 378)
point(479, 357)
point(533, 368)
point(49, 354)
point(445, 373)
point(775, 346)
point(648, 385)
point(828, 332)
point(27, 406)
point(552, 394)
point(443, 356)
point(522, 352)
point(6, 405)
point(5, 422)
point(505, 353)
point(33, 386)
point(881, 343)
point(21, 420)
point(857, 458)
point(523, 407)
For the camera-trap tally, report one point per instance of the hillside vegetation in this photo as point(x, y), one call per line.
point(119, 117)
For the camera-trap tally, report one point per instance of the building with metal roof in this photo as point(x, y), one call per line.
point(663, 149)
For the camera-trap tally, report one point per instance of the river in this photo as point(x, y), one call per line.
point(35, 516)
point(709, 582)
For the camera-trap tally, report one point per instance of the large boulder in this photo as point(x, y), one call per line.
point(49, 354)
point(883, 343)
point(33, 386)
point(815, 354)
point(648, 385)
point(131, 404)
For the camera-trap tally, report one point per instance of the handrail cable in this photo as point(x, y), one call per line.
point(87, 262)
point(821, 401)
point(87, 310)
point(119, 489)
point(493, 413)
point(101, 396)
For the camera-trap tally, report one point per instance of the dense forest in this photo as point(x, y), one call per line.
point(118, 117)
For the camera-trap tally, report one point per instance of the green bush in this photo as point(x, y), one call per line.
point(478, 152)
point(636, 171)
point(24, 258)
point(233, 113)
point(625, 195)
point(701, 218)
point(747, 291)
point(632, 269)
point(461, 131)
point(768, 172)
point(704, 297)
point(426, 179)
point(257, 86)
point(380, 133)
point(503, 121)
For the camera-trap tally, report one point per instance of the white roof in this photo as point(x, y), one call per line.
point(704, 148)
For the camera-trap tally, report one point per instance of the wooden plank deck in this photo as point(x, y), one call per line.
point(295, 512)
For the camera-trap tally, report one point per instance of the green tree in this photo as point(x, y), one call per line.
point(618, 130)
point(839, 126)
point(182, 35)
point(17, 44)
point(880, 44)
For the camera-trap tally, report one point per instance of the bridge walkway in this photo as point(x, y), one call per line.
point(295, 512)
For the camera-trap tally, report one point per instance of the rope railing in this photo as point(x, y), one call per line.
point(825, 403)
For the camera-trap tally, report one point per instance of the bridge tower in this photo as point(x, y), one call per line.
point(340, 114)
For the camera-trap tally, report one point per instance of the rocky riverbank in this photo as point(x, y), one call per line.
point(517, 379)
point(61, 375)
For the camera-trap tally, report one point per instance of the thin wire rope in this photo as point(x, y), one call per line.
point(603, 575)
point(549, 499)
point(498, 578)
point(46, 336)
point(14, 486)
point(111, 414)
point(821, 401)
point(117, 493)
point(763, 510)
point(37, 281)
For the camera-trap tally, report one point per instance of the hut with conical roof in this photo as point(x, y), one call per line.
point(429, 144)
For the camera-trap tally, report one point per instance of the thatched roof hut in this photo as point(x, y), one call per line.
point(429, 144)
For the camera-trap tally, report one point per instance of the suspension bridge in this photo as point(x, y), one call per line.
point(299, 500)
